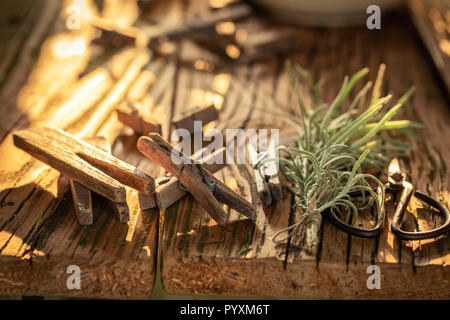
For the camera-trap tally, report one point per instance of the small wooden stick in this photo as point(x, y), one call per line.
point(83, 162)
point(138, 121)
point(167, 189)
point(191, 177)
point(188, 116)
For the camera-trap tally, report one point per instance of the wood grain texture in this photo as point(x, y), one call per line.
point(200, 258)
point(39, 233)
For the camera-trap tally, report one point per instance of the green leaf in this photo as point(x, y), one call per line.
point(343, 93)
point(372, 132)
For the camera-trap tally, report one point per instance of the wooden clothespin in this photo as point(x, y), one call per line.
point(143, 125)
point(167, 190)
point(81, 195)
point(139, 120)
point(85, 164)
point(204, 187)
point(271, 173)
point(266, 178)
point(194, 27)
point(261, 185)
point(270, 42)
point(187, 117)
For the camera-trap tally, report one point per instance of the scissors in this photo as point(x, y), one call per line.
point(396, 184)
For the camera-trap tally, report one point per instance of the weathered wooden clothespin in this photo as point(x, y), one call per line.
point(82, 197)
point(187, 117)
point(193, 28)
point(167, 190)
point(261, 185)
point(204, 187)
point(143, 123)
point(139, 120)
point(271, 174)
point(85, 164)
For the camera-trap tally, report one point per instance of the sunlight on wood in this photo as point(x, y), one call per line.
point(203, 98)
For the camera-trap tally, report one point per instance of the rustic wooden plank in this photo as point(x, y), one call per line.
point(191, 237)
point(59, 242)
point(201, 259)
point(118, 93)
point(39, 239)
point(190, 176)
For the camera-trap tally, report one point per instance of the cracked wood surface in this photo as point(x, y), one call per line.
point(199, 257)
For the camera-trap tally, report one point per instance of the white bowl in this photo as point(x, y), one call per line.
point(323, 13)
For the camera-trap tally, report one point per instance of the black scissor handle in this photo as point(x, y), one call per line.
point(419, 235)
point(356, 231)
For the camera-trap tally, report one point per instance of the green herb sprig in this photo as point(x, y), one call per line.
point(333, 145)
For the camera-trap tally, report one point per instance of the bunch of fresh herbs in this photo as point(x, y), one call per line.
point(333, 146)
